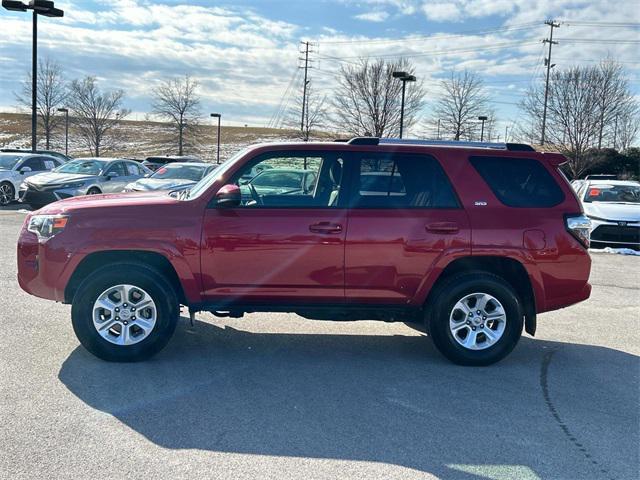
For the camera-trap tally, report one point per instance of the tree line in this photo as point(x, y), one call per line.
point(588, 108)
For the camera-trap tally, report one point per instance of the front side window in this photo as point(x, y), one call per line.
point(291, 180)
point(519, 182)
point(388, 180)
point(35, 164)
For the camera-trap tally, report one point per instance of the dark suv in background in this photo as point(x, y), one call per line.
point(470, 241)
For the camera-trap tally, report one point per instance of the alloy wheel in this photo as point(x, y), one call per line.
point(124, 314)
point(477, 321)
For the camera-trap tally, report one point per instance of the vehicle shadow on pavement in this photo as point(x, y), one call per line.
point(549, 407)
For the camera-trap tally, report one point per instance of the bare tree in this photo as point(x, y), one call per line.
point(51, 94)
point(94, 114)
point(315, 112)
point(463, 99)
point(626, 126)
point(612, 90)
point(583, 104)
point(177, 100)
point(368, 98)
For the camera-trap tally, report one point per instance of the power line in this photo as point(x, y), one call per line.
point(414, 38)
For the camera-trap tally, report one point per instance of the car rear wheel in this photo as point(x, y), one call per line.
point(476, 319)
point(94, 191)
point(125, 312)
point(7, 193)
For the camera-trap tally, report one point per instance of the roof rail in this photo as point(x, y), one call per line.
point(514, 147)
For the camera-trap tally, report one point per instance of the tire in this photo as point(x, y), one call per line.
point(454, 321)
point(7, 193)
point(94, 191)
point(112, 345)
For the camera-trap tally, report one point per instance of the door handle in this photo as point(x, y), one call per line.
point(442, 227)
point(325, 227)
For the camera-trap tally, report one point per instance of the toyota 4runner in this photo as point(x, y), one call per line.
point(468, 240)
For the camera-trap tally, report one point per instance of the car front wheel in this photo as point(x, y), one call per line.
point(125, 313)
point(475, 319)
point(7, 193)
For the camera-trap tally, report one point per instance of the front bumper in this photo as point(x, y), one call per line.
point(33, 196)
point(44, 269)
point(610, 232)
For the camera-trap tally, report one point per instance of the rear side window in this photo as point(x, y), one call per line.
point(401, 181)
point(519, 182)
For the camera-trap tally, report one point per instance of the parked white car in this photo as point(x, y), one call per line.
point(16, 167)
point(613, 206)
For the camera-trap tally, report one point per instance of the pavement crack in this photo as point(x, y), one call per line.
point(544, 384)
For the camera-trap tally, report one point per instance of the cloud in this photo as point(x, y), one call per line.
point(442, 11)
point(377, 16)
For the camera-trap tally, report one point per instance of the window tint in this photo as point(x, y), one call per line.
point(118, 168)
point(35, 164)
point(401, 181)
point(519, 182)
point(291, 180)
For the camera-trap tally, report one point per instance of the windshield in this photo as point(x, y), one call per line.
point(204, 184)
point(613, 193)
point(181, 172)
point(84, 167)
point(7, 162)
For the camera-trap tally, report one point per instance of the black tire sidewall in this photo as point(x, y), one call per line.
point(450, 294)
point(153, 283)
point(94, 191)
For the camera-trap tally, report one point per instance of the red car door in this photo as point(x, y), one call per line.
point(286, 247)
point(404, 217)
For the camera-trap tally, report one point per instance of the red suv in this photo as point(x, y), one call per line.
point(469, 240)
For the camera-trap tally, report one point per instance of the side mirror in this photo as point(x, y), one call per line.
point(24, 170)
point(228, 196)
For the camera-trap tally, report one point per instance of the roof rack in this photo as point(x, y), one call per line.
point(513, 147)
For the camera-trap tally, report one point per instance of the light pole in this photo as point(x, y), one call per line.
point(39, 7)
point(483, 119)
point(66, 129)
point(404, 77)
point(219, 117)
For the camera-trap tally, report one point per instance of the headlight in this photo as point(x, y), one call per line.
point(46, 226)
point(73, 185)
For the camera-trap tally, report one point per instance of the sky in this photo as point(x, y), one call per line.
point(245, 53)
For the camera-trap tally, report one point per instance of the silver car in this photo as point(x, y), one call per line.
point(84, 176)
point(15, 168)
point(173, 176)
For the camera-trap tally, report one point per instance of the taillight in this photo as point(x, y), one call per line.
point(580, 227)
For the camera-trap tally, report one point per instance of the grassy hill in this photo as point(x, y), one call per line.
point(139, 139)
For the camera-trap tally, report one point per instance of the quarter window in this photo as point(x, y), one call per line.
point(519, 182)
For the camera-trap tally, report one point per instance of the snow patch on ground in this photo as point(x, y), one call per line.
point(619, 251)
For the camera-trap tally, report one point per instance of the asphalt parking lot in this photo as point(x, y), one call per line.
point(279, 397)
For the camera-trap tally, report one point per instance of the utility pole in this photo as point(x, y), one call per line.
point(438, 136)
point(506, 130)
point(547, 61)
point(304, 86)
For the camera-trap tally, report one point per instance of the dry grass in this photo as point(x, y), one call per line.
point(139, 139)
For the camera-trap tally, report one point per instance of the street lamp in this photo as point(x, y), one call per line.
point(219, 117)
point(66, 129)
point(39, 7)
point(404, 77)
point(483, 119)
